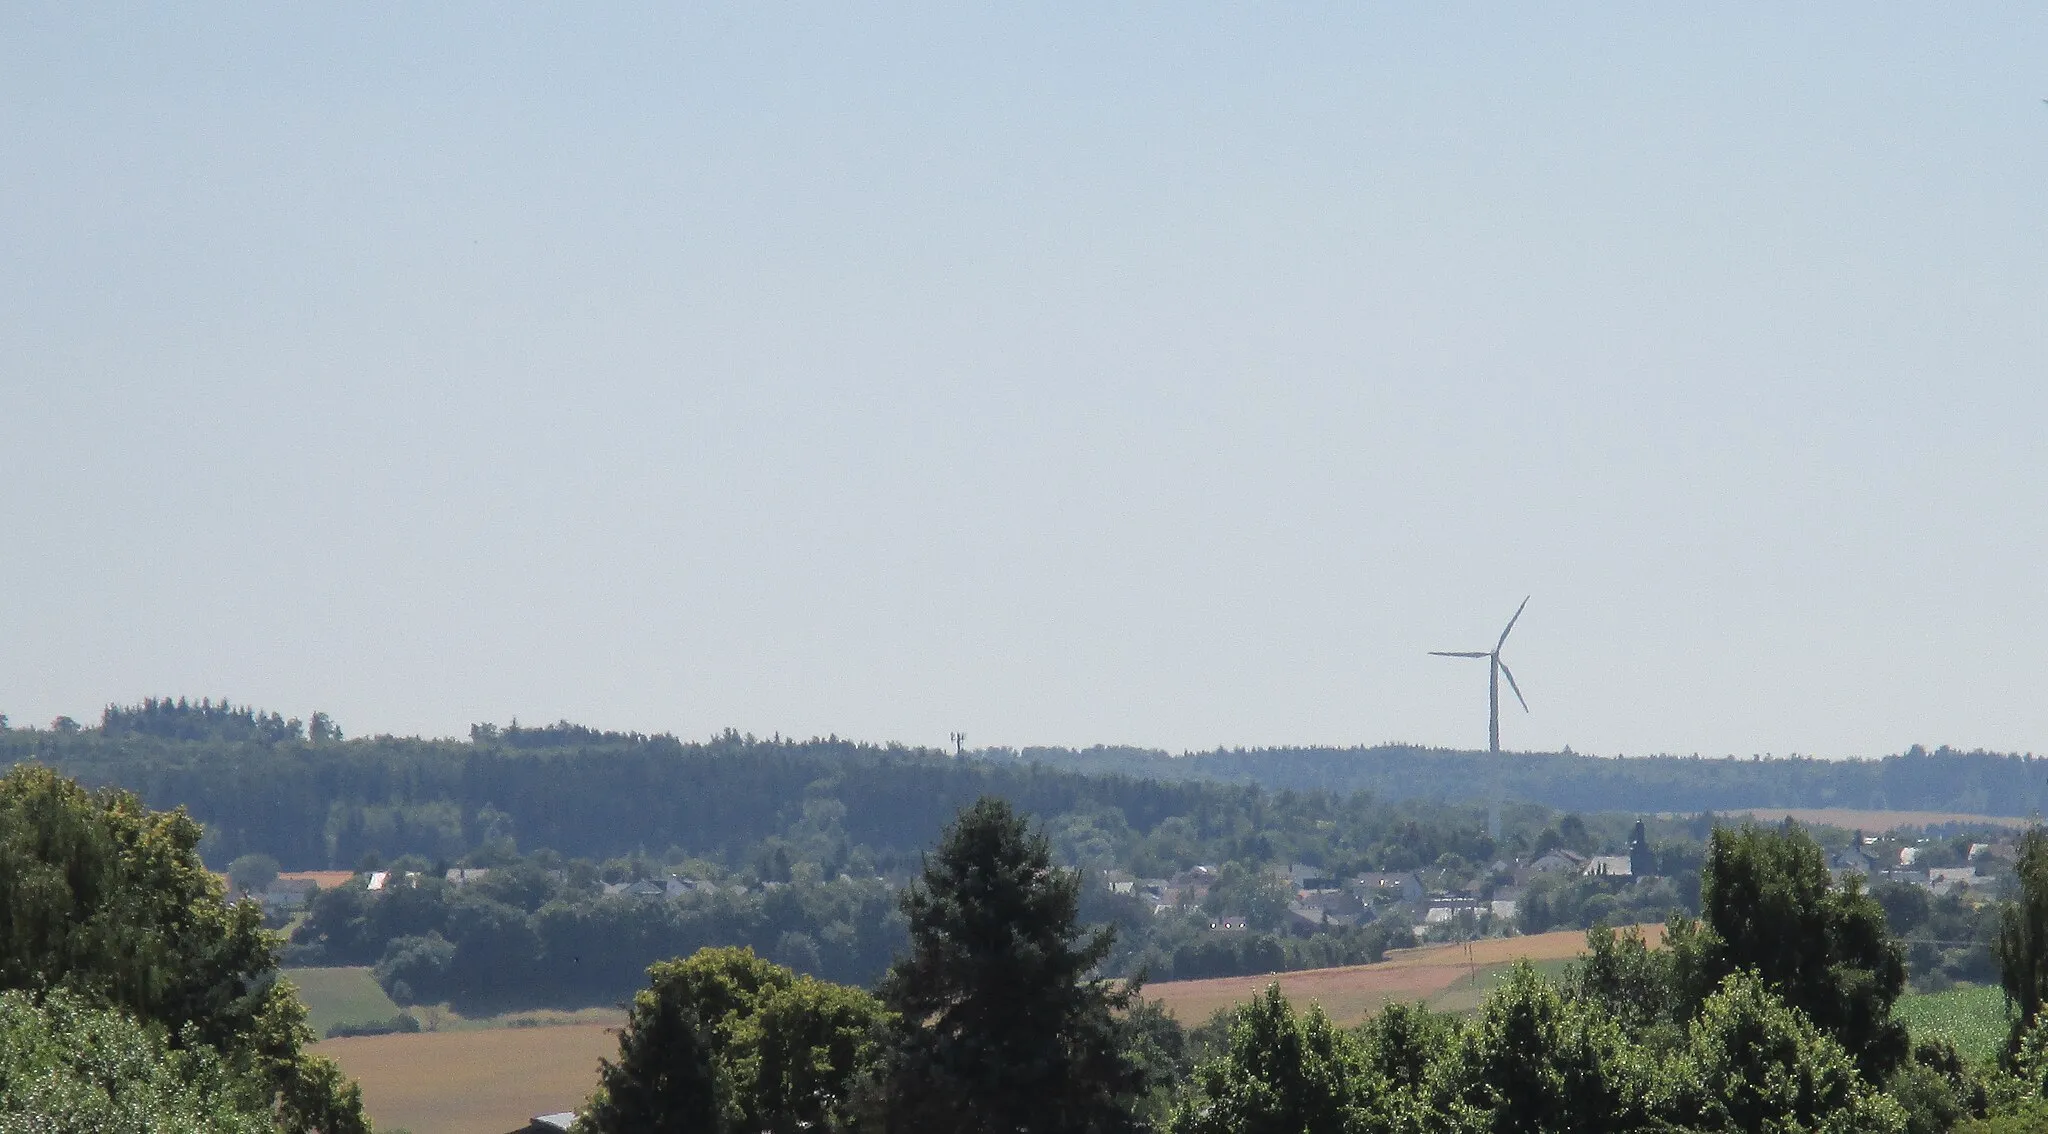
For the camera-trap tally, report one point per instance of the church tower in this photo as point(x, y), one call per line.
point(1642, 863)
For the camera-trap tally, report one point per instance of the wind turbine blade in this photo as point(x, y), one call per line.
point(1511, 623)
point(1510, 675)
point(1459, 654)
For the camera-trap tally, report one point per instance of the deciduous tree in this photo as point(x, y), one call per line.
point(1769, 906)
point(725, 1041)
point(1533, 1063)
point(67, 1067)
point(1753, 1063)
point(105, 899)
point(1283, 1074)
point(2022, 946)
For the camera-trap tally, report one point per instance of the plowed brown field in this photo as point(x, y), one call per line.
point(1350, 994)
point(325, 879)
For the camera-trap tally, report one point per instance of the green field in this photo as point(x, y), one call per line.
point(1971, 1016)
point(340, 996)
point(351, 996)
point(1464, 996)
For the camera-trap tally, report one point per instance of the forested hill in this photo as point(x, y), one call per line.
point(309, 797)
point(575, 790)
point(1978, 783)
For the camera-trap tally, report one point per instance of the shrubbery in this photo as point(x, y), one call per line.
point(404, 1022)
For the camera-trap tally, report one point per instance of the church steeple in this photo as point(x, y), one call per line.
point(1642, 862)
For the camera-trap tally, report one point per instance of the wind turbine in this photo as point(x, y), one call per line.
point(1496, 668)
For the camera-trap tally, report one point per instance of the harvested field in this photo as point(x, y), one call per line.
point(1851, 819)
point(1353, 992)
point(325, 879)
point(476, 1082)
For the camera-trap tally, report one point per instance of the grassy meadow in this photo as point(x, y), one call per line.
point(340, 996)
point(351, 995)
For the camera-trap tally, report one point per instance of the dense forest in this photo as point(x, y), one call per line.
point(260, 784)
point(300, 792)
point(1976, 783)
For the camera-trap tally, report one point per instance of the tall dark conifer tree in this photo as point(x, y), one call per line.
point(1004, 1028)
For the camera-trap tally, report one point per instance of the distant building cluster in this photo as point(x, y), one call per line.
point(289, 892)
point(1864, 860)
point(1321, 901)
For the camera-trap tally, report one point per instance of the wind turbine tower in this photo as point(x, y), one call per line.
point(1496, 669)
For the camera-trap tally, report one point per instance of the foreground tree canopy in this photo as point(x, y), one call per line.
point(105, 905)
point(1772, 1013)
point(1534, 1062)
point(994, 1021)
point(725, 1041)
point(1769, 906)
point(66, 1067)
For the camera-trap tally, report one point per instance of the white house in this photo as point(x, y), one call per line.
point(1609, 866)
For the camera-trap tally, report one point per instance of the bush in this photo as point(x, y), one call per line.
point(416, 967)
point(1928, 1098)
point(252, 873)
point(403, 1022)
point(2030, 1117)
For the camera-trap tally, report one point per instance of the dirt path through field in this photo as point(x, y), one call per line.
point(1350, 994)
point(475, 1082)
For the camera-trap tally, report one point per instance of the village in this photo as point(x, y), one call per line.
point(1446, 904)
point(1446, 901)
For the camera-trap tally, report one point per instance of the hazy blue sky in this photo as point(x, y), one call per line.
point(1157, 375)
